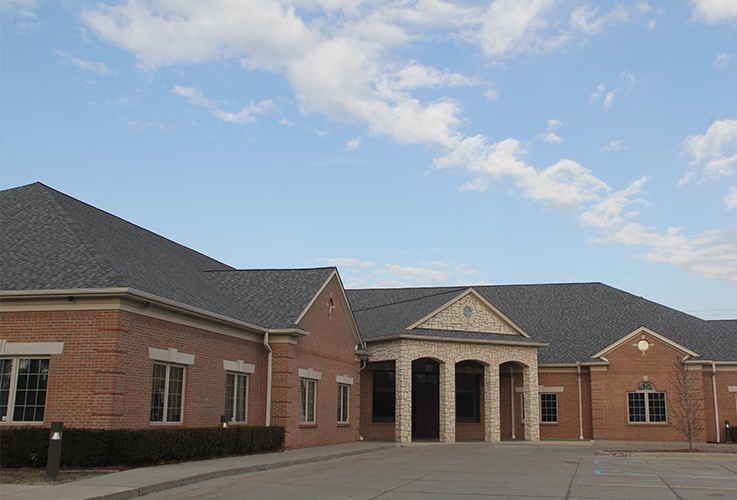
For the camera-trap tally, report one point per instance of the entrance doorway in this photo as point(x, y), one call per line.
point(425, 399)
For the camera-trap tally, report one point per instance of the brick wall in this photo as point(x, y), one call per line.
point(103, 377)
point(329, 349)
point(627, 368)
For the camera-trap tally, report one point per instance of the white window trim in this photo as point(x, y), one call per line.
point(314, 401)
point(340, 403)
point(166, 394)
point(28, 349)
point(310, 373)
point(231, 417)
point(647, 408)
point(170, 355)
point(13, 389)
point(239, 366)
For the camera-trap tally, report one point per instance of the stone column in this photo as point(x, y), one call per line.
point(447, 402)
point(532, 404)
point(403, 396)
point(492, 426)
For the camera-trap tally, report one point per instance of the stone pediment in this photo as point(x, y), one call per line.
point(469, 312)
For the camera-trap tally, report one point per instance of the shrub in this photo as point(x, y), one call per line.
point(28, 446)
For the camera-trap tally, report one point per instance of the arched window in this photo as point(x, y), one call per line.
point(646, 404)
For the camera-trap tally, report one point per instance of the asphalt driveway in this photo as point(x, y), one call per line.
point(483, 470)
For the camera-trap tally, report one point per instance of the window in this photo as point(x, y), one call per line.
point(307, 401)
point(167, 393)
point(236, 397)
point(646, 405)
point(383, 403)
point(343, 403)
point(549, 408)
point(23, 386)
point(467, 397)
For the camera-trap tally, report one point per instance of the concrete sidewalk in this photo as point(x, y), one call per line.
point(142, 481)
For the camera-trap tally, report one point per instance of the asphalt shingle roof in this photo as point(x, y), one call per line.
point(577, 320)
point(52, 241)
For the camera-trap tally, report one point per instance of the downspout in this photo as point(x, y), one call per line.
point(580, 403)
point(511, 397)
point(269, 361)
point(716, 403)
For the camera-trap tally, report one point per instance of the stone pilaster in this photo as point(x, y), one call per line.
point(447, 402)
point(403, 418)
point(491, 403)
point(532, 404)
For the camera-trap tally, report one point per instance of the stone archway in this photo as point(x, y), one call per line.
point(425, 399)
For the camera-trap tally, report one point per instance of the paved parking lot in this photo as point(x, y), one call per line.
point(478, 470)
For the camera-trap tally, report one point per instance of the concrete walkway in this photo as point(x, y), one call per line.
point(145, 480)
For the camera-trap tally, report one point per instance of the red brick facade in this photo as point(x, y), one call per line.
point(103, 377)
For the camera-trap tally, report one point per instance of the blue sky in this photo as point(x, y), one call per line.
point(410, 143)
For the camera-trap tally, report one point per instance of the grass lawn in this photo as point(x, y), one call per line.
point(37, 475)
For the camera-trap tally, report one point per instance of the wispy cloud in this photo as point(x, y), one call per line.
point(614, 147)
point(550, 135)
point(97, 68)
point(246, 114)
point(714, 154)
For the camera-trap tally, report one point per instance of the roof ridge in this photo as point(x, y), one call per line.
point(74, 226)
point(446, 290)
point(254, 270)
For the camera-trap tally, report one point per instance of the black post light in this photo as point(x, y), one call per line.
point(224, 421)
point(54, 457)
point(727, 431)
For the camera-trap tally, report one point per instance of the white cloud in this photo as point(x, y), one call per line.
point(614, 147)
point(607, 213)
point(714, 153)
point(349, 262)
point(721, 60)
point(246, 114)
point(588, 20)
point(550, 135)
point(565, 184)
point(712, 254)
point(730, 200)
point(353, 144)
point(714, 11)
point(492, 94)
point(98, 68)
point(416, 75)
point(627, 83)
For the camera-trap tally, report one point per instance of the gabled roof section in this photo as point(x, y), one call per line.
point(273, 298)
point(469, 312)
point(51, 241)
point(638, 334)
point(577, 320)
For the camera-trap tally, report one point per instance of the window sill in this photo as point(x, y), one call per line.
point(648, 424)
point(157, 424)
point(308, 426)
point(344, 424)
point(549, 423)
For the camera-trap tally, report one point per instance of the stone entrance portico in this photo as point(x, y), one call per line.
point(448, 353)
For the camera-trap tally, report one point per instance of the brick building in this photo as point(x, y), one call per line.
point(104, 324)
point(558, 361)
point(107, 325)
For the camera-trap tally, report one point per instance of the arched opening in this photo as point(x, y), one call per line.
point(425, 399)
point(469, 393)
point(512, 400)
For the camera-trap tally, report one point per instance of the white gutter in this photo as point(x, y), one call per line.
point(580, 404)
point(269, 358)
point(716, 404)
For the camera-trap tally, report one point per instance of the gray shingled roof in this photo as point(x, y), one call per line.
point(51, 241)
point(577, 320)
point(274, 297)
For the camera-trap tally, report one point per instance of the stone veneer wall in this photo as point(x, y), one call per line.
point(448, 353)
point(481, 319)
